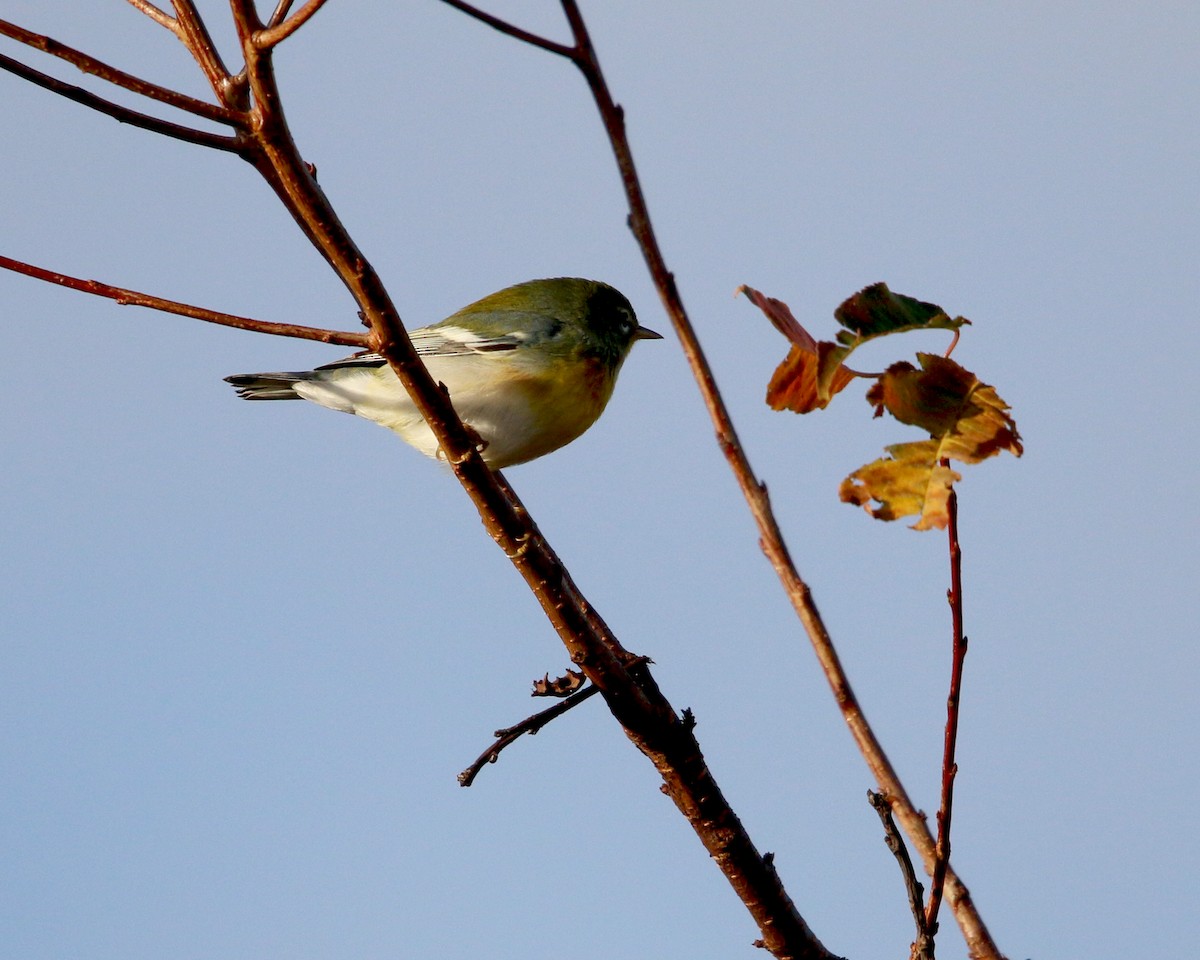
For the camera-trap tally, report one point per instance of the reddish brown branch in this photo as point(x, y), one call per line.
point(116, 111)
point(281, 11)
point(155, 14)
point(134, 298)
point(277, 32)
point(111, 74)
point(193, 32)
point(629, 691)
point(949, 765)
point(583, 55)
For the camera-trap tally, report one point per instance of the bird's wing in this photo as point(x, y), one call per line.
point(447, 340)
point(443, 340)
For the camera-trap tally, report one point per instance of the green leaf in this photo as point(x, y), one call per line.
point(875, 311)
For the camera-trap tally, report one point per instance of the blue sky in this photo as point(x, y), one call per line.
point(248, 647)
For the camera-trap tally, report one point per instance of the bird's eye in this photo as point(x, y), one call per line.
point(626, 324)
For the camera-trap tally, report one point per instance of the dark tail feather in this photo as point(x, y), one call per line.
point(267, 386)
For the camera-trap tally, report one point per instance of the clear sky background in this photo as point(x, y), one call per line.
point(246, 648)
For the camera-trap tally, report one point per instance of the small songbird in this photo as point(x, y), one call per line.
point(529, 368)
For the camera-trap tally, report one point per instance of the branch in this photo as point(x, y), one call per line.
point(281, 11)
point(530, 725)
point(123, 114)
point(922, 948)
point(632, 696)
point(134, 298)
point(584, 57)
point(276, 33)
point(89, 64)
point(949, 766)
point(513, 31)
point(193, 32)
point(157, 15)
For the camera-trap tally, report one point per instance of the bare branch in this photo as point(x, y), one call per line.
point(279, 32)
point(89, 64)
point(922, 948)
point(195, 36)
point(513, 31)
point(117, 112)
point(771, 538)
point(158, 16)
point(630, 692)
point(949, 765)
point(281, 11)
point(530, 725)
point(136, 299)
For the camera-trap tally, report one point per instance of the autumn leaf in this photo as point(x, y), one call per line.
point(814, 371)
point(875, 311)
point(966, 420)
point(951, 404)
point(562, 686)
point(910, 480)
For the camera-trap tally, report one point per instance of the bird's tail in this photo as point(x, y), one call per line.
point(267, 386)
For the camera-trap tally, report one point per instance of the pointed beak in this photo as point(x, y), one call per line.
point(645, 333)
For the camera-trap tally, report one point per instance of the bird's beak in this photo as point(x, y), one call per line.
point(645, 333)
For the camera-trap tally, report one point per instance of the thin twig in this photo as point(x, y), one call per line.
point(512, 30)
point(278, 32)
point(160, 17)
point(530, 725)
point(89, 64)
point(195, 36)
point(201, 138)
point(922, 947)
point(949, 765)
point(281, 11)
point(135, 299)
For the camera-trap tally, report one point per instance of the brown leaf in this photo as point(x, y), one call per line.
point(795, 385)
point(781, 317)
point(966, 420)
point(814, 370)
point(951, 404)
point(562, 686)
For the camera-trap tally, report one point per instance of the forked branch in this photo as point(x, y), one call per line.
point(583, 55)
point(275, 33)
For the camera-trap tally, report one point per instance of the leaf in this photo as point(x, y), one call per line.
point(562, 686)
point(814, 370)
point(967, 421)
point(875, 311)
point(951, 404)
point(911, 480)
point(795, 385)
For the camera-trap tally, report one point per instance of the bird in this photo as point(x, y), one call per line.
point(529, 368)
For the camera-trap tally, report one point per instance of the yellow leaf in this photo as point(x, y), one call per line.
point(911, 480)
